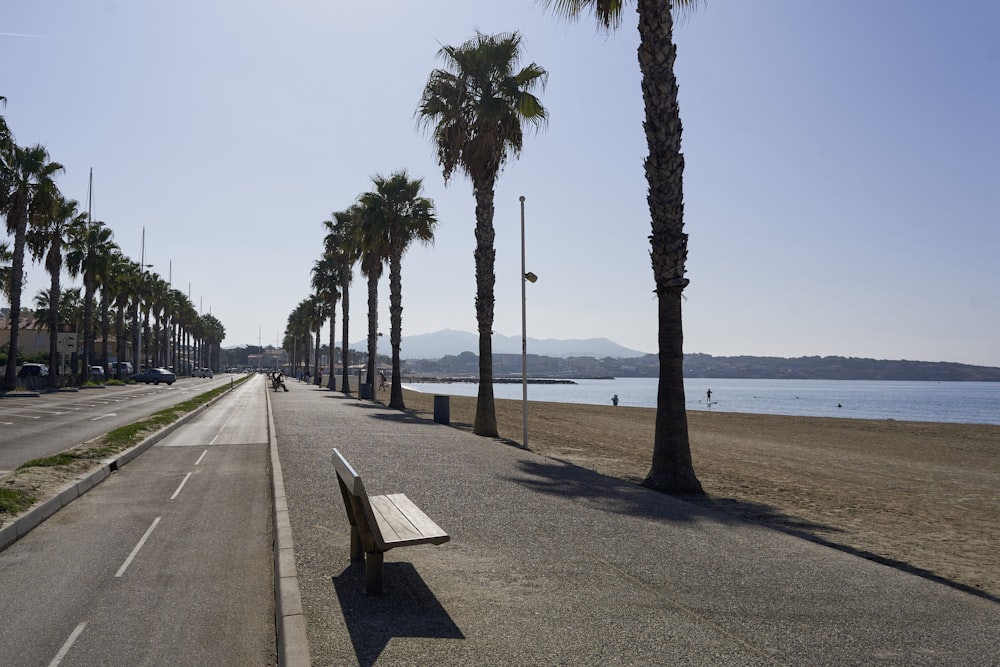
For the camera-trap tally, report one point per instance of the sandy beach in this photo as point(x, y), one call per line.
point(919, 496)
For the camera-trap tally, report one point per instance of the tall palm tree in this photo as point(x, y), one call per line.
point(372, 241)
point(475, 109)
point(89, 252)
point(27, 189)
point(124, 286)
point(325, 282)
point(214, 333)
point(396, 216)
point(46, 240)
point(339, 244)
point(672, 470)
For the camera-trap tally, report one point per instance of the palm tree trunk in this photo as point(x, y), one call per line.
point(372, 329)
point(396, 324)
point(16, 285)
point(318, 380)
point(88, 327)
point(332, 383)
point(485, 255)
point(54, 299)
point(105, 329)
point(671, 470)
point(345, 385)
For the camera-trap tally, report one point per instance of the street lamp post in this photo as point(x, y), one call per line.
point(138, 314)
point(526, 277)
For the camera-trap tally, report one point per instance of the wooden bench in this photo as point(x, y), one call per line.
point(380, 523)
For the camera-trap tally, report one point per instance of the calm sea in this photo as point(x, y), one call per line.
point(960, 402)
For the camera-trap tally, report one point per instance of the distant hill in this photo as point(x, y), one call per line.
point(449, 342)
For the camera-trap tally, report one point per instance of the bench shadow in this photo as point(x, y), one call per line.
point(612, 494)
point(407, 608)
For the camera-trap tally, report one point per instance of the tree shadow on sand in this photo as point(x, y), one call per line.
point(612, 494)
point(407, 608)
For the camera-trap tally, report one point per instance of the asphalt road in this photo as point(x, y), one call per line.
point(36, 426)
point(168, 561)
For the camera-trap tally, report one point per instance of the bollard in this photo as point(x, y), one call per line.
point(442, 410)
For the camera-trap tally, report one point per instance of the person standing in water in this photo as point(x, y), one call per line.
point(614, 399)
point(709, 395)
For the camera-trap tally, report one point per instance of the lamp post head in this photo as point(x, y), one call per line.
point(530, 277)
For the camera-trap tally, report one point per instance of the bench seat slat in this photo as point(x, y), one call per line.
point(402, 523)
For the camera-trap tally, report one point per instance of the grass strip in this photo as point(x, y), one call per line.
point(13, 501)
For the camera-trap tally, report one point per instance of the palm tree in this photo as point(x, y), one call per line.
point(89, 253)
point(371, 239)
point(475, 109)
point(124, 288)
point(325, 279)
point(27, 189)
point(214, 333)
point(672, 470)
point(396, 216)
point(46, 240)
point(339, 245)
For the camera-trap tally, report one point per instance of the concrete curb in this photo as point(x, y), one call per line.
point(290, 621)
point(72, 490)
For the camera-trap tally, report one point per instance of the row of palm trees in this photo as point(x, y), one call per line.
point(476, 108)
point(117, 291)
point(374, 231)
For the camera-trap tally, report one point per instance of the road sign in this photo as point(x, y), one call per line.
point(66, 342)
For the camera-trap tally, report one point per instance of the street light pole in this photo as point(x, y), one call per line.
point(525, 277)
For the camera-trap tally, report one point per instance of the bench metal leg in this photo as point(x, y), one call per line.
point(373, 572)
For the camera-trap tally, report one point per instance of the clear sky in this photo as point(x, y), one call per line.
point(841, 189)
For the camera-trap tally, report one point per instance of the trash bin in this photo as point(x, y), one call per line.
point(442, 409)
point(365, 391)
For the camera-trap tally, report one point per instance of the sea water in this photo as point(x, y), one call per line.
point(956, 402)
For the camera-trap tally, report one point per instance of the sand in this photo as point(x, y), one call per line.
point(923, 497)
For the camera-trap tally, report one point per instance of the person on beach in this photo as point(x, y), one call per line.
point(614, 399)
point(709, 396)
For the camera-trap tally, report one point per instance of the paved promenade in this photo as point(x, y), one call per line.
point(551, 564)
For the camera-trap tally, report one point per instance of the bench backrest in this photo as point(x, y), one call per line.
point(347, 476)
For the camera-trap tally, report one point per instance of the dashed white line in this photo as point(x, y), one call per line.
point(183, 482)
point(68, 645)
point(201, 457)
point(131, 556)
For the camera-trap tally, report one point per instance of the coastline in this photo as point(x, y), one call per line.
point(914, 495)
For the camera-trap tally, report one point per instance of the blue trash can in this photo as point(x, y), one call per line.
point(442, 409)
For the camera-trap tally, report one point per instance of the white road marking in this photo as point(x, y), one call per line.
point(73, 636)
point(99, 417)
point(131, 556)
point(183, 482)
point(201, 457)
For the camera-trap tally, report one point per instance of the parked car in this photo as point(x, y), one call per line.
point(122, 369)
point(97, 373)
point(155, 376)
point(32, 376)
point(203, 373)
point(33, 370)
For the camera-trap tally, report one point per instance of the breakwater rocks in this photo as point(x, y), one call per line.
point(475, 380)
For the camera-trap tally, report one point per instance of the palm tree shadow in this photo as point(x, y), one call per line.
point(407, 608)
point(614, 495)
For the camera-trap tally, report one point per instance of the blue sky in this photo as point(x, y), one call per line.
point(840, 189)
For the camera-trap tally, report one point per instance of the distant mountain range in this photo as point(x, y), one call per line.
point(451, 342)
